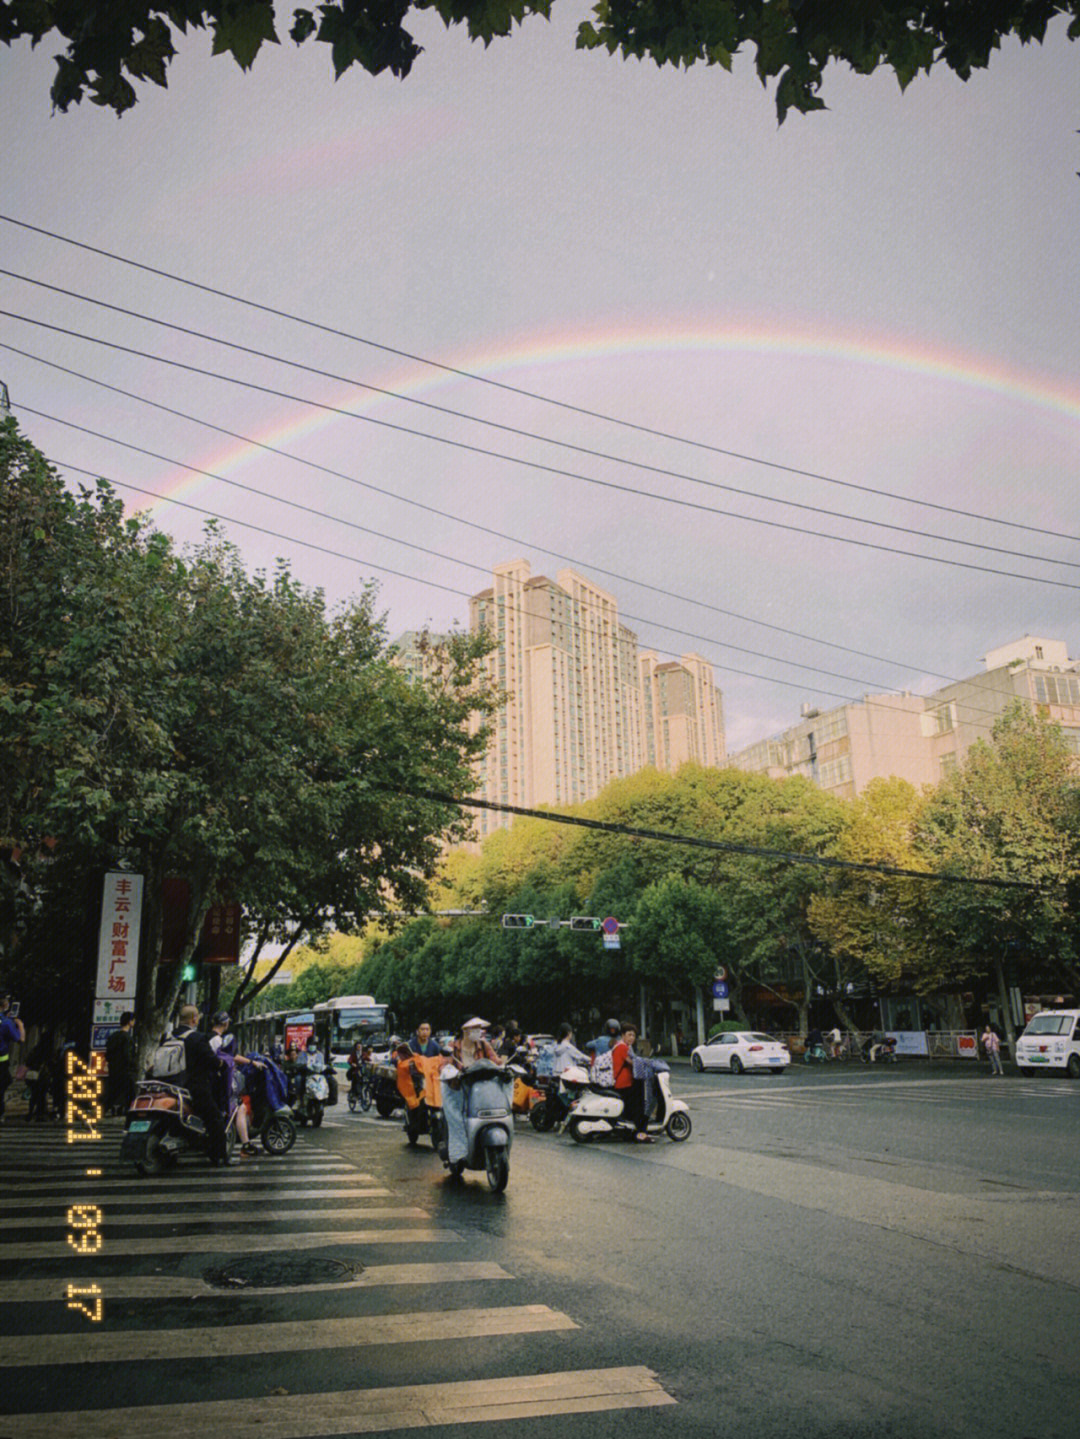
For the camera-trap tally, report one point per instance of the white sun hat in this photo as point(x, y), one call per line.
point(475, 1024)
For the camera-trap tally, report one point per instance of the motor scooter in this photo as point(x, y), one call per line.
point(477, 1127)
point(310, 1093)
point(161, 1125)
point(595, 1109)
point(418, 1084)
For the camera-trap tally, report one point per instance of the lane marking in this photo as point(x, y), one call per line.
point(357, 1411)
point(286, 1337)
point(175, 1286)
point(240, 1243)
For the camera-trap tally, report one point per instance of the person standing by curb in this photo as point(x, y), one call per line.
point(992, 1045)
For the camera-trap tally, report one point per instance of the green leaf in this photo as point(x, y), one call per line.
point(242, 28)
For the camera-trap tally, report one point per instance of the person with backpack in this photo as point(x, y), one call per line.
point(202, 1064)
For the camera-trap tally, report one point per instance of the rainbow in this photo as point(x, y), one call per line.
point(966, 370)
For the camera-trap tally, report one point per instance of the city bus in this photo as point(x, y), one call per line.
point(337, 1024)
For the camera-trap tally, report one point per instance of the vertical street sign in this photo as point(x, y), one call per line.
point(118, 937)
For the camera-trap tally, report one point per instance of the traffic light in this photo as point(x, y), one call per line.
point(584, 921)
point(517, 921)
point(191, 973)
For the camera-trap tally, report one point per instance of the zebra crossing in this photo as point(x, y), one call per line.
point(133, 1305)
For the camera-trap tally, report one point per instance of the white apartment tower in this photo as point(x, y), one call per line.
point(582, 706)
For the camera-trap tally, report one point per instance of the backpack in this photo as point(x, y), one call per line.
point(603, 1070)
point(169, 1059)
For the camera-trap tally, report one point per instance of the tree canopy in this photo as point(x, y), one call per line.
point(176, 715)
point(109, 46)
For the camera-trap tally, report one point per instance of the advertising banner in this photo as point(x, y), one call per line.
point(910, 1041)
point(118, 937)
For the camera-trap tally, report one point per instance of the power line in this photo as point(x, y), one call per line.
point(699, 842)
point(535, 464)
point(460, 519)
point(519, 610)
point(508, 388)
point(422, 549)
point(533, 435)
point(483, 529)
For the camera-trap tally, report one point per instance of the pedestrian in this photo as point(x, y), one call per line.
point(992, 1045)
point(40, 1062)
point(12, 1032)
point(120, 1057)
point(225, 1046)
point(202, 1065)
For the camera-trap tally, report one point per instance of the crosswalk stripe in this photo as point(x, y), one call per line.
point(251, 1244)
point(199, 1197)
point(414, 1406)
point(181, 1186)
point(289, 1337)
point(230, 1220)
point(175, 1286)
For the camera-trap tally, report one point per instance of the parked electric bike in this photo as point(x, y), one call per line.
point(596, 1109)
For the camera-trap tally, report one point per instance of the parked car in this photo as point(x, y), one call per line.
point(739, 1050)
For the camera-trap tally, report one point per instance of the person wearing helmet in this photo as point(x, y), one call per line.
point(606, 1039)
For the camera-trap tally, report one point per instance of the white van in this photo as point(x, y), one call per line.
point(1051, 1041)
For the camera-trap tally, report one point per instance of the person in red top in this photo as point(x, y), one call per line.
point(633, 1090)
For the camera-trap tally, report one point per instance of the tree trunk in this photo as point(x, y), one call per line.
point(245, 995)
point(1003, 1000)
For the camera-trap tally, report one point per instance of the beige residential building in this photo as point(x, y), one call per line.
point(922, 737)
point(582, 706)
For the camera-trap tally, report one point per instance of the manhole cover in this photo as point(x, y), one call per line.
point(267, 1271)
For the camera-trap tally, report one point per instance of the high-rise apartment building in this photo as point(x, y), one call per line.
point(582, 707)
point(922, 737)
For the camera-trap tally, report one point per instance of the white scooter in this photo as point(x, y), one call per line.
point(595, 1109)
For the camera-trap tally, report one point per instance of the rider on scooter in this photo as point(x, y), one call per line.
point(632, 1090)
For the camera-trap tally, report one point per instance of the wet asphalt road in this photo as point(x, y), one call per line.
point(834, 1252)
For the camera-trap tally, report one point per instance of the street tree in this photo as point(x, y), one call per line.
point(109, 46)
point(873, 924)
point(1011, 812)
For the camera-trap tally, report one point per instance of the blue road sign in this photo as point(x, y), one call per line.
point(720, 989)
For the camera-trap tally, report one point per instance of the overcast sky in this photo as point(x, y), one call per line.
point(884, 294)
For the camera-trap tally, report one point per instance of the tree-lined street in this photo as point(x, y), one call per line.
point(835, 1252)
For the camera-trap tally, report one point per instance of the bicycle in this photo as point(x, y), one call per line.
point(360, 1090)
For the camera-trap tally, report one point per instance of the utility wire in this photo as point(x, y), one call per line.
point(471, 524)
point(699, 842)
point(521, 611)
point(533, 435)
point(508, 388)
point(384, 569)
point(460, 519)
point(424, 549)
point(470, 564)
point(535, 464)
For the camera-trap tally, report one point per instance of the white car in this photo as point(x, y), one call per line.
point(740, 1050)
